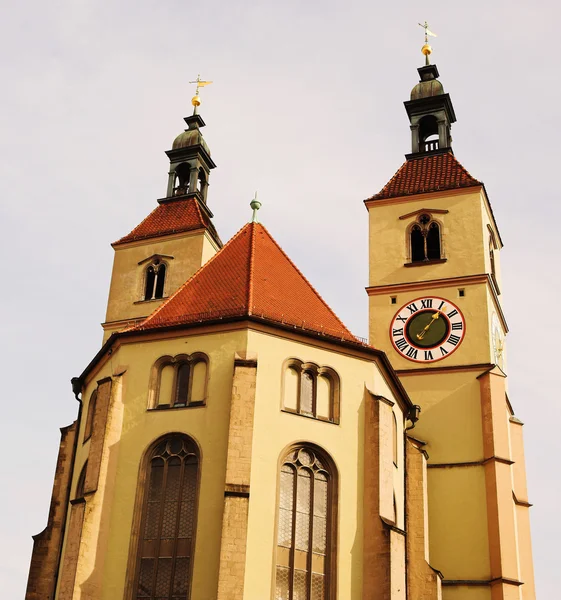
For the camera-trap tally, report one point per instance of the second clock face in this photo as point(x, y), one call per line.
point(427, 329)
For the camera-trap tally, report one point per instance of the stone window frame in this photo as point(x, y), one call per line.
point(134, 554)
point(81, 483)
point(330, 587)
point(176, 361)
point(154, 260)
point(315, 371)
point(88, 427)
point(424, 227)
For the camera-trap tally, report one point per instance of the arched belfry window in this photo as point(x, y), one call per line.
point(154, 281)
point(425, 242)
point(310, 390)
point(182, 176)
point(164, 557)
point(428, 133)
point(305, 558)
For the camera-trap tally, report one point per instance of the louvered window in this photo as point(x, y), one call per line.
point(305, 527)
point(168, 523)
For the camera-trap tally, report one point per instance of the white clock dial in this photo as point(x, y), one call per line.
point(427, 329)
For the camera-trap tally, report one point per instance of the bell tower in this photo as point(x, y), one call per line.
point(174, 240)
point(435, 309)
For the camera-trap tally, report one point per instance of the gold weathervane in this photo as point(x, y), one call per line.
point(196, 100)
point(426, 49)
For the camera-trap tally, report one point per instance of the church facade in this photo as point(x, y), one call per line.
point(235, 441)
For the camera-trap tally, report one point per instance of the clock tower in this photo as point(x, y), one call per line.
point(435, 309)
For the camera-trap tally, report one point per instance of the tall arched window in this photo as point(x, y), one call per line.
point(305, 563)
point(154, 280)
point(90, 416)
point(169, 514)
point(417, 244)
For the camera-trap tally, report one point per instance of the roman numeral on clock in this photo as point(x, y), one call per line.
point(400, 318)
point(412, 353)
point(454, 339)
point(428, 355)
point(397, 331)
point(401, 344)
point(457, 325)
point(452, 314)
point(412, 308)
point(426, 303)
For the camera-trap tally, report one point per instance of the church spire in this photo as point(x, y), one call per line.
point(190, 161)
point(429, 109)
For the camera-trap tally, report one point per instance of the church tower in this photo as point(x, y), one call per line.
point(435, 309)
point(174, 240)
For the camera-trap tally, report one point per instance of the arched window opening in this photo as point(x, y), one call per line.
point(433, 241)
point(88, 429)
point(168, 522)
point(160, 279)
point(179, 381)
point(417, 244)
point(310, 390)
point(155, 280)
point(182, 176)
point(201, 180)
point(428, 133)
point(306, 522)
point(424, 239)
point(150, 280)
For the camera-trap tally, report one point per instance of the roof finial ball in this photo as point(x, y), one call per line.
point(255, 206)
point(196, 99)
point(427, 49)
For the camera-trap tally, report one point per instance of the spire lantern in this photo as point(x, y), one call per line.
point(190, 161)
point(429, 109)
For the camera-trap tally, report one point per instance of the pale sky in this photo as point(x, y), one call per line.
point(307, 107)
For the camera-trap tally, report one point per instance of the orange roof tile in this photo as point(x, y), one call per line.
point(427, 174)
point(175, 216)
point(250, 277)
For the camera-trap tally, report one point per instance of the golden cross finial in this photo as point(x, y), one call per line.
point(196, 100)
point(426, 49)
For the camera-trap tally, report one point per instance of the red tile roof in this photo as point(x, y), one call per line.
point(427, 174)
point(175, 216)
point(250, 277)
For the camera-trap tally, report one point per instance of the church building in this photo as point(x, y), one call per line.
point(235, 441)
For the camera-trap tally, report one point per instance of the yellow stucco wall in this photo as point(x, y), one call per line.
point(189, 251)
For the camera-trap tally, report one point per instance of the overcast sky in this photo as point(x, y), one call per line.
point(307, 108)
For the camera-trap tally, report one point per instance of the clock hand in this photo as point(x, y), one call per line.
point(421, 335)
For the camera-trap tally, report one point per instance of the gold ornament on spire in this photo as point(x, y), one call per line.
point(196, 100)
point(426, 49)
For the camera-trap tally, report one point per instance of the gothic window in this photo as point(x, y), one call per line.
point(311, 390)
point(154, 280)
point(306, 518)
point(179, 381)
point(169, 514)
point(425, 240)
point(90, 416)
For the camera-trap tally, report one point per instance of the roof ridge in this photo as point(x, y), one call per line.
point(182, 286)
point(345, 328)
point(251, 268)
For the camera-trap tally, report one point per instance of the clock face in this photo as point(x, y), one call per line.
point(427, 329)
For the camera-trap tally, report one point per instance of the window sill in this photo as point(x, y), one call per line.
point(197, 404)
point(424, 263)
point(151, 300)
point(320, 419)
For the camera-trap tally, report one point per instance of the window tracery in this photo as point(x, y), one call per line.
point(306, 526)
point(310, 390)
point(168, 521)
point(154, 280)
point(425, 240)
point(179, 381)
